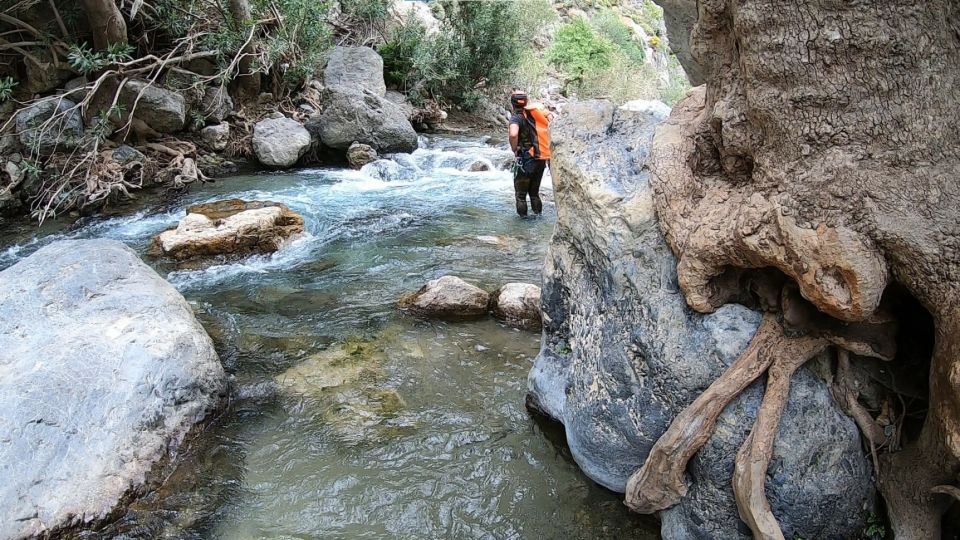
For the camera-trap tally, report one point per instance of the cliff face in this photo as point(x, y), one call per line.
point(623, 354)
point(823, 155)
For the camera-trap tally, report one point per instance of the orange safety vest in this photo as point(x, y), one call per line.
point(538, 131)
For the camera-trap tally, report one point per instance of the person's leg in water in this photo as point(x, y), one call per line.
point(534, 188)
point(521, 185)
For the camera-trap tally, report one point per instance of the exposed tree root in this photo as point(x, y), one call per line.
point(915, 480)
point(750, 469)
point(659, 484)
point(846, 395)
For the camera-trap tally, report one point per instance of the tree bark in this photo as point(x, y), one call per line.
point(106, 22)
point(247, 84)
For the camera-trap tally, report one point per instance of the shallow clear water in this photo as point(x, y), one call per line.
point(349, 419)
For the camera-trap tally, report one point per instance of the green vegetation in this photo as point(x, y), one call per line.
point(602, 59)
point(7, 84)
point(480, 45)
point(875, 529)
point(84, 60)
point(608, 24)
point(580, 51)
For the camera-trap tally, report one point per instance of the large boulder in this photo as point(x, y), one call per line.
point(355, 67)
point(163, 110)
point(448, 297)
point(280, 142)
point(105, 370)
point(359, 115)
point(623, 354)
point(518, 304)
point(50, 125)
point(229, 227)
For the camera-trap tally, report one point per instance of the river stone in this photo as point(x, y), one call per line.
point(448, 297)
point(216, 104)
point(358, 67)
point(359, 155)
point(338, 366)
point(104, 370)
point(622, 354)
point(279, 142)
point(125, 154)
point(163, 110)
point(229, 227)
point(216, 136)
point(359, 115)
point(63, 133)
point(518, 304)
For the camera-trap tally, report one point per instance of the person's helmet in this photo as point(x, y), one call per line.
point(518, 99)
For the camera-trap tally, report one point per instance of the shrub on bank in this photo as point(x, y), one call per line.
point(480, 45)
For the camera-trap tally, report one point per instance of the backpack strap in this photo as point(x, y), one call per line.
point(531, 126)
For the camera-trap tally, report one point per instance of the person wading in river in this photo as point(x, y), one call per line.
point(530, 142)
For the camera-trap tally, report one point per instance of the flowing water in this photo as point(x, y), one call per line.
point(347, 418)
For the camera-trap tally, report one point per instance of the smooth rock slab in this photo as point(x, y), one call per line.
point(229, 227)
point(279, 142)
point(103, 370)
point(518, 304)
point(448, 297)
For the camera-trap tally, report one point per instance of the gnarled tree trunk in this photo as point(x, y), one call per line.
point(826, 144)
point(106, 22)
point(247, 82)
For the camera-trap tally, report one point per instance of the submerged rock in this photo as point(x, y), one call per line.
point(280, 142)
point(229, 227)
point(623, 354)
point(518, 304)
point(337, 366)
point(448, 297)
point(105, 369)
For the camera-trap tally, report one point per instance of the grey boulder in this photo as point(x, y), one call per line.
point(216, 136)
point(50, 125)
point(448, 297)
point(518, 304)
point(126, 154)
point(279, 142)
point(105, 369)
point(163, 110)
point(359, 67)
point(216, 104)
point(359, 115)
point(622, 354)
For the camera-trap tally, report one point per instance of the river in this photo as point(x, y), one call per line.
point(427, 436)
